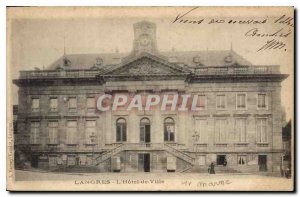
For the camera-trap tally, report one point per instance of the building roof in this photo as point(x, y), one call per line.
point(189, 58)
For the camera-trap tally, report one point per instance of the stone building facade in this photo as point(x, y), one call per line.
point(237, 126)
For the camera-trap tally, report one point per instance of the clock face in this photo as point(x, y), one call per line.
point(144, 40)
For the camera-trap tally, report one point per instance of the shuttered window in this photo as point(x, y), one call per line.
point(53, 132)
point(53, 104)
point(240, 125)
point(34, 132)
point(261, 130)
point(220, 131)
point(90, 103)
point(261, 101)
point(35, 104)
point(221, 101)
point(72, 103)
point(71, 132)
point(241, 101)
point(90, 132)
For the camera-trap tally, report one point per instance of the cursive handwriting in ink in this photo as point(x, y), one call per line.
point(248, 22)
point(272, 44)
point(286, 20)
point(255, 32)
point(218, 21)
point(179, 18)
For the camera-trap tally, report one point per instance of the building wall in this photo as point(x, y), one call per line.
point(184, 121)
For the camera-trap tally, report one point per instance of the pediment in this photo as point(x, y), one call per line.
point(147, 65)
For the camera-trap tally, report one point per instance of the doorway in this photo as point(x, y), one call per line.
point(262, 163)
point(34, 161)
point(144, 162)
point(145, 135)
point(221, 160)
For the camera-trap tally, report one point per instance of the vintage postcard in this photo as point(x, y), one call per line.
point(150, 98)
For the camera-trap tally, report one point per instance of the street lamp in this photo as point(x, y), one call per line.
point(196, 139)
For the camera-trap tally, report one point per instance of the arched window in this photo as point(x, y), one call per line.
point(145, 135)
point(169, 130)
point(121, 135)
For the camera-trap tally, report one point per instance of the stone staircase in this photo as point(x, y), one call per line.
point(103, 157)
point(187, 169)
point(179, 154)
point(168, 148)
point(171, 150)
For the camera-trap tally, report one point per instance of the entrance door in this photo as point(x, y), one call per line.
point(34, 161)
point(221, 159)
point(262, 163)
point(145, 131)
point(144, 162)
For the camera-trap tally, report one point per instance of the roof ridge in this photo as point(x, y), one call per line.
point(207, 57)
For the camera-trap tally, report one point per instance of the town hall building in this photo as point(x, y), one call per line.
point(237, 124)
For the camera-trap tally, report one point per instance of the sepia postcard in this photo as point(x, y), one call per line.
point(150, 99)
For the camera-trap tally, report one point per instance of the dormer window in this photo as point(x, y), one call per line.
point(66, 61)
point(196, 59)
point(228, 59)
point(99, 61)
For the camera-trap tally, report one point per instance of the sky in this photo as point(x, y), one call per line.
point(36, 36)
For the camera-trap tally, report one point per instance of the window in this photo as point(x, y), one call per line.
point(89, 160)
point(169, 130)
point(261, 101)
point(53, 126)
point(52, 160)
point(34, 132)
point(71, 132)
point(201, 129)
point(201, 102)
point(35, 104)
point(261, 130)
point(242, 160)
point(53, 104)
point(90, 103)
point(221, 101)
point(241, 101)
point(82, 160)
point(220, 132)
point(72, 103)
point(71, 160)
point(240, 125)
point(90, 132)
point(121, 135)
point(145, 130)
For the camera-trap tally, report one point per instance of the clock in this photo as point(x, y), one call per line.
point(144, 40)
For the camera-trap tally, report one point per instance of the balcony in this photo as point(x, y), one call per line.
point(221, 145)
point(198, 147)
point(262, 144)
point(144, 146)
point(227, 70)
point(221, 70)
point(241, 145)
point(42, 74)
